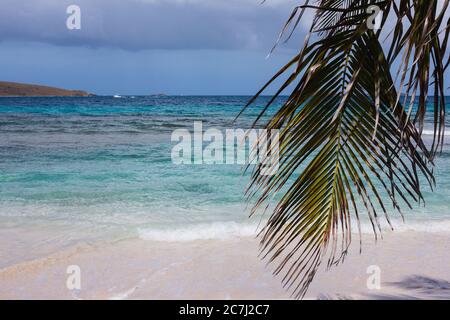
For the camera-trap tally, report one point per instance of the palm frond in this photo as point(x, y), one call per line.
point(344, 128)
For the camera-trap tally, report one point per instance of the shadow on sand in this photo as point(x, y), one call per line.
point(411, 288)
point(416, 287)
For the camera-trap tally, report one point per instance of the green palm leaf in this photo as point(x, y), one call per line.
point(346, 131)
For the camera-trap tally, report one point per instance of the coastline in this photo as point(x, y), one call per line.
point(16, 89)
point(413, 265)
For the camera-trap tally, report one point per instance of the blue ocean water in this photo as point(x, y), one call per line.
point(101, 166)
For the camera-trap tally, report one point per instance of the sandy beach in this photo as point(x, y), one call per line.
point(413, 265)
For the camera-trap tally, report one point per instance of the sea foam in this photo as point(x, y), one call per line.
point(431, 132)
point(232, 230)
point(205, 231)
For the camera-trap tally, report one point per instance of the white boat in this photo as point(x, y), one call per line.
point(117, 96)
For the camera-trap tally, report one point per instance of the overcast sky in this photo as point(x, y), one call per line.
point(144, 46)
point(147, 46)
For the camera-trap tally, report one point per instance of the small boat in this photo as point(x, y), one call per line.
point(158, 95)
point(117, 96)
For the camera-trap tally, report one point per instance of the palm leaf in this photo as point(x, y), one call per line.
point(345, 131)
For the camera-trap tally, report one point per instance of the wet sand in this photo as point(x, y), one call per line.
point(412, 265)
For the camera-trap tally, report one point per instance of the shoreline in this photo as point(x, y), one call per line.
point(413, 265)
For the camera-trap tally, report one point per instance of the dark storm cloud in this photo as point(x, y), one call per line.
point(148, 24)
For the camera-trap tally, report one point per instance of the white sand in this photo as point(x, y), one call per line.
point(413, 265)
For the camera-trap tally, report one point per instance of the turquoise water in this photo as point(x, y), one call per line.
point(101, 166)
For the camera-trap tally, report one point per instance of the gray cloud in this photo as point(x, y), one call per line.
point(148, 24)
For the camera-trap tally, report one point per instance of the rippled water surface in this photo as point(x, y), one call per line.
point(102, 166)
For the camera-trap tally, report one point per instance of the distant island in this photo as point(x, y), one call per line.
point(14, 89)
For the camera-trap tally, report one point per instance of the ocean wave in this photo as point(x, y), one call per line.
point(204, 231)
point(431, 132)
point(422, 225)
point(230, 230)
